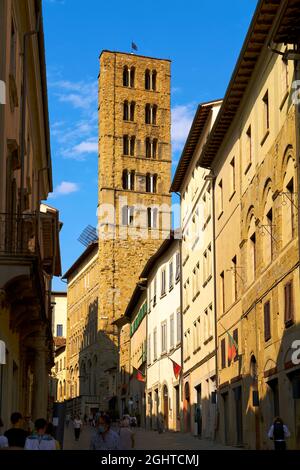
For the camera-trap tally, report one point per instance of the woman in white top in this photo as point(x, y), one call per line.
point(77, 423)
point(126, 435)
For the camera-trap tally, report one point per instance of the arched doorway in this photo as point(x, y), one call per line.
point(187, 407)
point(166, 406)
point(254, 398)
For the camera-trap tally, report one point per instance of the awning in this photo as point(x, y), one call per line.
point(2, 352)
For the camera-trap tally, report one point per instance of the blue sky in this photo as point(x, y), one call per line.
point(203, 40)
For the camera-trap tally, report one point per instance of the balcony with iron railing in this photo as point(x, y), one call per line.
point(19, 235)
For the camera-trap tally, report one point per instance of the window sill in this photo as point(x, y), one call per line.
point(208, 339)
point(129, 121)
point(232, 195)
point(265, 137)
point(220, 214)
point(247, 168)
point(206, 222)
point(171, 288)
point(177, 280)
point(207, 281)
point(195, 242)
point(196, 295)
point(197, 350)
point(186, 309)
point(185, 261)
point(163, 295)
point(187, 359)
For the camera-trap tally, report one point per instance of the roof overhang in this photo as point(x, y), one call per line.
point(257, 39)
point(197, 127)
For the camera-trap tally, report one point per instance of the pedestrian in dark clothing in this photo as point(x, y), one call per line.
point(16, 435)
point(278, 432)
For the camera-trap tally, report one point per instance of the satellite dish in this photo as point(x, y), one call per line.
point(88, 236)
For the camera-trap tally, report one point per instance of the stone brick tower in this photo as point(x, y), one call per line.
point(134, 181)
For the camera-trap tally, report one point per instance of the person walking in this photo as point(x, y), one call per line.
point(51, 432)
point(105, 438)
point(16, 435)
point(127, 437)
point(3, 439)
point(278, 432)
point(77, 423)
point(40, 440)
point(68, 417)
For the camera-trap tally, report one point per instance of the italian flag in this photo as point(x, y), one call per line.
point(138, 375)
point(232, 347)
point(176, 369)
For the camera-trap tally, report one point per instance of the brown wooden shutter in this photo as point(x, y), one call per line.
point(288, 304)
point(267, 321)
point(223, 353)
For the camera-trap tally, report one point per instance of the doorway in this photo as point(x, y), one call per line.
point(177, 407)
point(166, 406)
point(273, 385)
point(187, 407)
point(198, 411)
point(226, 417)
point(238, 414)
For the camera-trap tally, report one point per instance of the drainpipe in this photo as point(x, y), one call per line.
point(211, 177)
point(297, 125)
point(181, 307)
point(23, 113)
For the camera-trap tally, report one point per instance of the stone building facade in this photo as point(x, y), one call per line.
point(198, 315)
point(29, 231)
point(253, 155)
point(83, 337)
point(134, 180)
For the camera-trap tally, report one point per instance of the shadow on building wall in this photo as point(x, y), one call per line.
point(248, 404)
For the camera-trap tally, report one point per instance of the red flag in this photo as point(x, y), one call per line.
point(232, 348)
point(176, 369)
point(138, 375)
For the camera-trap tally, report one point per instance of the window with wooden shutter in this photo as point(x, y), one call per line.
point(267, 321)
point(288, 304)
point(223, 354)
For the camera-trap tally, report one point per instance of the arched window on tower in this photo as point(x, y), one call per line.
point(125, 76)
point(132, 110)
point(126, 111)
point(154, 74)
point(147, 80)
point(125, 145)
point(132, 76)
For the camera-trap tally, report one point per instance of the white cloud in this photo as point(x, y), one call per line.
point(76, 138)
point(80, 150)
point(182, 117)
point(63, 189)
point(82, 95)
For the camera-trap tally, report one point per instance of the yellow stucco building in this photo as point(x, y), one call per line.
point(29, 244)
point(253, 155)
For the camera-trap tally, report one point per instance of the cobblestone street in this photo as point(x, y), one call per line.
point(148, 440)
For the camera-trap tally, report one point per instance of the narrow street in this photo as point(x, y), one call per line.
point(148, 440)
